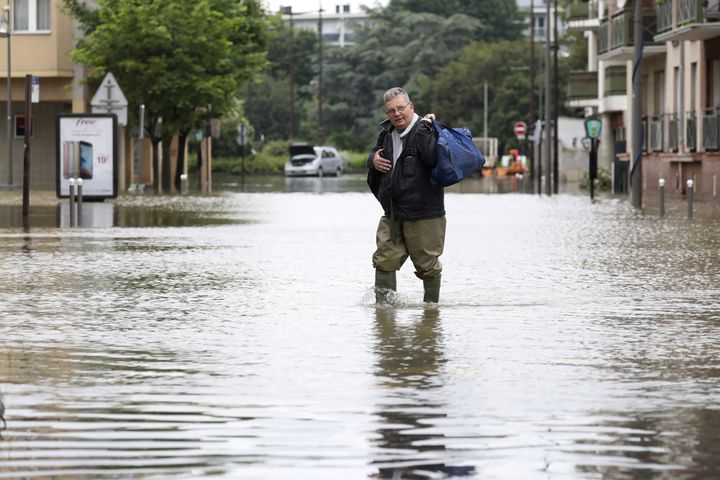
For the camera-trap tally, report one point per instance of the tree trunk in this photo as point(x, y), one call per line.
point(182, 140)
point(157, 184)
point(166, 141)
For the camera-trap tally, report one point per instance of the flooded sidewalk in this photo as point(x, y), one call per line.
point(236, 336)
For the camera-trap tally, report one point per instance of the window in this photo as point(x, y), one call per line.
point(713, 83)
point(659, 93)
point(31, 15)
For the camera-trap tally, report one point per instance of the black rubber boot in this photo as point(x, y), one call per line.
point(432, 290)
point(384, 283)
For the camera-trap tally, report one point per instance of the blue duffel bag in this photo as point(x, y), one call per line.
point(457, 155)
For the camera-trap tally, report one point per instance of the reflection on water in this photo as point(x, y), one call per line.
point(409, 359)
point(235, 336)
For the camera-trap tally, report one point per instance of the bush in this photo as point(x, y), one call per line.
point(603, 182)
point(354, 161)
point(271, 160)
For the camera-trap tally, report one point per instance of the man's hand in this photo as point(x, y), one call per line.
point(429, 117)
point(381, 164)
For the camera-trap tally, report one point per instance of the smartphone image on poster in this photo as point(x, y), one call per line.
point(86, 160)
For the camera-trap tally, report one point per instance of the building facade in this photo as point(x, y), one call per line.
point(679, 91)
point(39, 42)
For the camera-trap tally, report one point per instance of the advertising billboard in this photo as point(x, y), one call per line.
point(87, 149)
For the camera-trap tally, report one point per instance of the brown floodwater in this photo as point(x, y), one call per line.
point(236, 336)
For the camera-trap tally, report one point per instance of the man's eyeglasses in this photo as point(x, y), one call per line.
point(399, 109)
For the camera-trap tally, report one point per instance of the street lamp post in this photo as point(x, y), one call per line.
point(5, 31)
point(291, 67)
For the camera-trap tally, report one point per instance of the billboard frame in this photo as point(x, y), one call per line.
point(87, 129)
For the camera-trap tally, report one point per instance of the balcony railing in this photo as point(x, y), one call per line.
point(698, 11)
point(664, 16)
point(691, 131)
point(583, 85)
point(621, 28)
point(673, 131)
point(615, 80)
point(656, 134)
point(603, 37)
point(579, 10)
point(711, 129)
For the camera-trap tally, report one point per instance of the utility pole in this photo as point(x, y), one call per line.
point(485, 110)
point(636, 172)
point(548, 110)
point(291, 72)
point(320, 131)
point(556, 94)
point(531, 123)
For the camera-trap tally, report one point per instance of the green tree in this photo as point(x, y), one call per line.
point(267, 97)
point(183, 59)
point(456, 92)
point(500, 18)
point(400, 49)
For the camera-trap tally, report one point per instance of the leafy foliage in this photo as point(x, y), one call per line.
point(400, 49)
point(182, 59)
point(267, 97)
point(500, 19)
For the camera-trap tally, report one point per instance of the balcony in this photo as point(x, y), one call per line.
point(603, 37)
point(581, 16)
point(664, 17)
point(615, 80)
point(617, 33)
point(696, 20)
point(582, 89)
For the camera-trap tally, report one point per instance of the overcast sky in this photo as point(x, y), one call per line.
point(314, 5)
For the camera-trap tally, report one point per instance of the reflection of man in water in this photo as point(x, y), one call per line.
point(409, 358)
point(2, 415)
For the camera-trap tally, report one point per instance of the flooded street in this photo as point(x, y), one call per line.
point(235, 336)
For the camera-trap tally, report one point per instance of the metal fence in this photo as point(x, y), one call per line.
point(710, 128)
point(656, 134)
point(691, 131)
point(673, 131)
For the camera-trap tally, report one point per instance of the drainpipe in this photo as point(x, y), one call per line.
point(681, 100)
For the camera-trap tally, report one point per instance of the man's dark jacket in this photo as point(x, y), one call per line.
point(405, 192)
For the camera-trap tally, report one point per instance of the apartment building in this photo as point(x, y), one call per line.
point(39, 43)
point(337, 25)
point(679, 92)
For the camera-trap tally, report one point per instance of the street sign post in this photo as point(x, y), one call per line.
point(593, 127)
point(520, 129)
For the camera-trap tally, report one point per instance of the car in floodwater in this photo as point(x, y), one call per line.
point(308, 160)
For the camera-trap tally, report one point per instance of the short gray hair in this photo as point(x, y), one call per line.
point(395, 92)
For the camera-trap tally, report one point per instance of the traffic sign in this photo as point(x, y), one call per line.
point(35, 89)
point(109, 98)
point(520, 129)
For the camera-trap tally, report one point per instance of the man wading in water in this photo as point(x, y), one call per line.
point(413, 223)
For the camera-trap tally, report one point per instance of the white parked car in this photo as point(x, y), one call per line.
point(315, 161)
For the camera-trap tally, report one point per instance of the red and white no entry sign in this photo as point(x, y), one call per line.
point(520, 129)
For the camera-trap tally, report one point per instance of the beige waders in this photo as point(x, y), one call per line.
point(421, 240)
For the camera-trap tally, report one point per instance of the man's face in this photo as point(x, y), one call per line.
point(400, 112)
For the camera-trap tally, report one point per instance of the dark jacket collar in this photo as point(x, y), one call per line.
point(387, 126)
